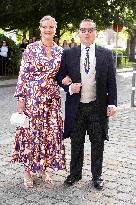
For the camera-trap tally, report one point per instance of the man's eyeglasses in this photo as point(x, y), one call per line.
point(90, 30)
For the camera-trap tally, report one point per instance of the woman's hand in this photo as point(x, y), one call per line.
point(20, 106)
point(67, 80)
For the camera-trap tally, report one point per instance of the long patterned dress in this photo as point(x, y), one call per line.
point(41, 145)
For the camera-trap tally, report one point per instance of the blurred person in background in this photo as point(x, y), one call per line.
point(4, 57)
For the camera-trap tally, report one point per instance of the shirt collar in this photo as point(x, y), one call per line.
point(92, 46)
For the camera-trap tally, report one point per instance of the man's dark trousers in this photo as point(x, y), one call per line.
point(87, 120)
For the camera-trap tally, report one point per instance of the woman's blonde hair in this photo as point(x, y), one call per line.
point(48, 18)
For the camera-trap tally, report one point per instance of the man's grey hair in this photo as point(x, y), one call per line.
point(87, 20)
point(48, 18)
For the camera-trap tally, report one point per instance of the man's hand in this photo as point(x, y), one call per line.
point(75, 87)
point(111, 111)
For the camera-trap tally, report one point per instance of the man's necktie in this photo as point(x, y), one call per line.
point(87, 63)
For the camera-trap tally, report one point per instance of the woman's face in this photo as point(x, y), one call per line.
point(48, 29)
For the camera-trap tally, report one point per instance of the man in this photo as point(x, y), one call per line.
point(91, 99)
point(73, 43)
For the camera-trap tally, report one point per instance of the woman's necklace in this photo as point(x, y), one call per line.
point(48, 51)
point(48, 48)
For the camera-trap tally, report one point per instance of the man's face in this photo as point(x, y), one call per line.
point(87, 33)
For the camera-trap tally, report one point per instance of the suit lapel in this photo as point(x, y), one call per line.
point(76, 58)
point(78, 51)
point(77, 55)
point(99, 58)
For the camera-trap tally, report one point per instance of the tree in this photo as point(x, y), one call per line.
point(132, 44)
point(17, 14)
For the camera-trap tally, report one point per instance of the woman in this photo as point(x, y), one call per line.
point(65, 45)
point(41, 145)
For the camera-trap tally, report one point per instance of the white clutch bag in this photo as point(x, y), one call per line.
point(19, 119)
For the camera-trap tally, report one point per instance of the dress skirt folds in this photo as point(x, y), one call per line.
point(41, 144)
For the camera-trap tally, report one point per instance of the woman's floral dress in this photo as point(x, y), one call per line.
point(41, 145)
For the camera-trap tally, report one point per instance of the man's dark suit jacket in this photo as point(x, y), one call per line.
point(106, 90)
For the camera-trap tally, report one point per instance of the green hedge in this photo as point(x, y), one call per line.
point(121, 57)
point(14, 52)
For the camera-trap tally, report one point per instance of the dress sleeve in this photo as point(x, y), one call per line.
point(23, 74)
